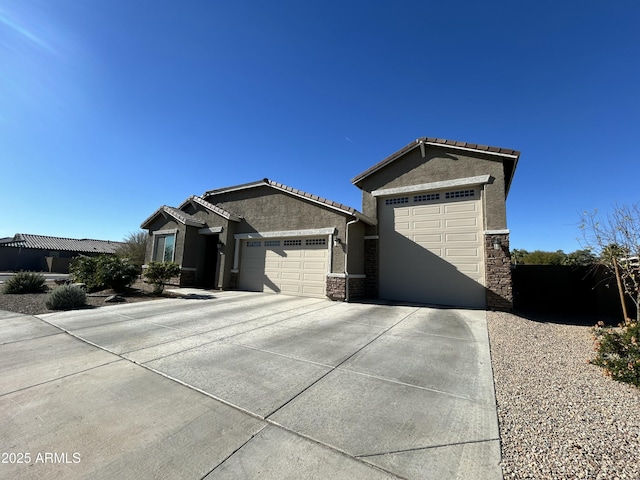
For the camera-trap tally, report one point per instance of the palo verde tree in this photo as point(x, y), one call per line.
point(615, 240)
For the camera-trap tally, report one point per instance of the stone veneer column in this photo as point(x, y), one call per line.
point(498, 271)
point(337, 287)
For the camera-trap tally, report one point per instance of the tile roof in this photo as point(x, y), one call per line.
point(441, 142)
point(177, 214)
point(294, 191)
point(211, 207)
point(42, 242)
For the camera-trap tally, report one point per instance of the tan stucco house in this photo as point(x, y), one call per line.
point(432, 230)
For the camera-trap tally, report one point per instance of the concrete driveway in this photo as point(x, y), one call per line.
point(248, 385)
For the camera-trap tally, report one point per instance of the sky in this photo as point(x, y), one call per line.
point(111, 108)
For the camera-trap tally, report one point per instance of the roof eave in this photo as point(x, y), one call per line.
point(209, 206)
point(450, 144)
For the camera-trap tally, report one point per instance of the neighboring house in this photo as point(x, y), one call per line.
point(433, 230)
point(39, 253)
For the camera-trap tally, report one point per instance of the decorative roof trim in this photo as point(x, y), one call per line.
point(211, 207)
point(425, 187)
point(176, 214)
point(296, 193)
point(507, 153)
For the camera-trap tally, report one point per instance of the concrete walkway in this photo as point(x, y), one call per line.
point(245, 385)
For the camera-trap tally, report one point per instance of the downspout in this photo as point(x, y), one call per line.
point(346, 257)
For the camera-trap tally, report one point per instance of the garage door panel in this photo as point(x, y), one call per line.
point(313, 277)
point(471, 237)
point(289, 266)
point(434, 238)
point(462, 252)
point(462, 207)
point(426, 211)
point(433, 253)
point(461, 222)
point(312, 291)
point(427, 225)
point(291, 276)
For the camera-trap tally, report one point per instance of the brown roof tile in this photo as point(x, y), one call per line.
point(42, 242)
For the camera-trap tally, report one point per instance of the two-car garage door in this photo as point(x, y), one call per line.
point(432, 248)
point(293, 266)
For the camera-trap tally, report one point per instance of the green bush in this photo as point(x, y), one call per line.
point(25, 282)
point(84, 269)
point(66, 297)
point(159, 273)
point(116, 272)
point(618, 351)
point(103, 271)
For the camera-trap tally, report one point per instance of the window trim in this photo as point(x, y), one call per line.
point(164, 233)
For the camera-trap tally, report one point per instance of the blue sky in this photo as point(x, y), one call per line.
point(109, 109)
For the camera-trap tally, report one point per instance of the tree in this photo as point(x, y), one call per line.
point(615, 239)
point(539, 257)
point(580, 258)
point(134, 247)
point(518, 255)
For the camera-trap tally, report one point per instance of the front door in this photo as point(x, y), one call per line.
point(210, 279)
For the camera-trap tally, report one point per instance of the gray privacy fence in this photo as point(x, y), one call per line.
point(570, 290)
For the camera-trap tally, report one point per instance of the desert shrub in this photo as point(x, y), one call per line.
point(116, 272)
point(84, 269)
point(103, 271)
point(66, 297)
point(618, 351)
point(159, 273)
point(25, 282)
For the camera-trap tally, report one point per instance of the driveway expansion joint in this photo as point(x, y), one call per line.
point(430, 447)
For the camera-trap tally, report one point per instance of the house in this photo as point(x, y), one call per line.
point(432, 230)
point(40, 253)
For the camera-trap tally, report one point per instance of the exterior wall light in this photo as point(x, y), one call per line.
point(496, 244)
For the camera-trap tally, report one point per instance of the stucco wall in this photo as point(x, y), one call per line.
point(160, 224)
point(440, 164)
point(266, 210)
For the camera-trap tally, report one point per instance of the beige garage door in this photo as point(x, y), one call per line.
point(293, 266)
point(432, 248)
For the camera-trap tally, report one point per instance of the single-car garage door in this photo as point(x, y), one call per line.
point(293, 266)
point(432, 248)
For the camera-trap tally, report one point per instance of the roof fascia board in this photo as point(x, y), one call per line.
point(310, 232)
point(211, 207)
point(210, 230)
point(475, 150)
point(235, 188)
point(425, 187)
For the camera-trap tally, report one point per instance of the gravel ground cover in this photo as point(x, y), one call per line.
point(560, 417)
point(34, 303)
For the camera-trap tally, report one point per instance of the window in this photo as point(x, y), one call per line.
point(254, 243)
point(316, 241)
point(272, 243)
point(292, 243)
point(163, 247)
point(426, 197)
point(395, 201)
point(460, 194)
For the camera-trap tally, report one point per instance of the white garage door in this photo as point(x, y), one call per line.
point(432, 248)
point(293, 266)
